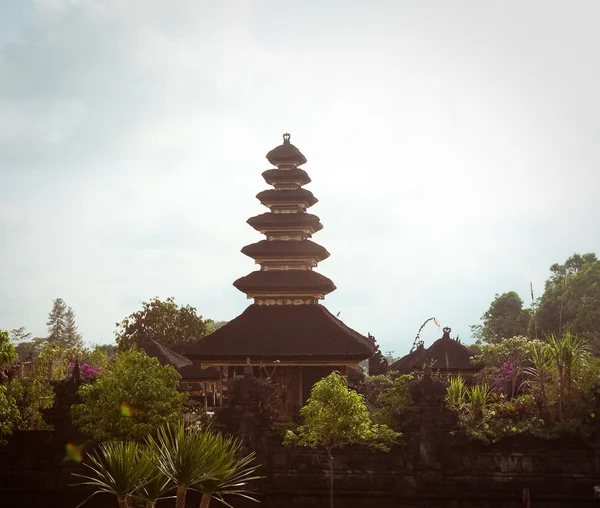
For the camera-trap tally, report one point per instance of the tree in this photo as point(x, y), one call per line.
point(335, 416)
point(233, 472)
point(570, 299)
point(72, 336)
point(7, 350)
point(505, 318)
point(62, 330)
point(131, 400)
point(163, 321)
point(9, 412)
point(119, 469)
point(25, 346)
point(56, 322)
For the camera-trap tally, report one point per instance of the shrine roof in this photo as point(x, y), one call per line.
point(286, 249)
point(443, 354)
point(286, 154)
point(282, 220)
point(194, 372)
point(163, 354)
point(276, 196)
point(285, 280)
point(282, 332)
point(273, 176)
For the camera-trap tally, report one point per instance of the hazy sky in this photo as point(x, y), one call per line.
point(453, 147)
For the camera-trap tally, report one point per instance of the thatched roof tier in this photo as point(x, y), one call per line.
point(286, 249)
point(284, 333)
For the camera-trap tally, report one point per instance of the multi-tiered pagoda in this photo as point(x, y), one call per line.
point(286, 334)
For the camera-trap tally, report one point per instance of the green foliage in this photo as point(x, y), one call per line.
point(162, 321)
point(176, 458)
point(117, 468)
point(27, 349)
point(457, 393)
point(7, 350)
point(62, 330)
point(515, 351)
point(335, 416)
point(202, 459)
point(386, 396)
point(32, 395)
point(570, 299)
point(130, 400)
point(9, 414)
point(97, 357)
point(505, 318)
point(556, 383)
point(232, 473)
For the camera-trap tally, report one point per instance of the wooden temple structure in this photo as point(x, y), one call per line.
point(286, 334)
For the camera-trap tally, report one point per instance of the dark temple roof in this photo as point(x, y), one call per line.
point(163, 354)
point(285, 281)
point(444, 354)
point(286, 154)
point(286, 249)
point(283, 220)
point(277, 197)
point(296, 175)
point(193, 372)
point(282, 332)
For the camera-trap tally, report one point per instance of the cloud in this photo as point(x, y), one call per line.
point(453, 150)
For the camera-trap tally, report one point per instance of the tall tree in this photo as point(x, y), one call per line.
point(62, 330)
point(57, 322)
point(72, 335)
point(570, 302)
point(505, 318)
point(162, 321)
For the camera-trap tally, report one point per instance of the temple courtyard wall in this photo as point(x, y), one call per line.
point(431, 469)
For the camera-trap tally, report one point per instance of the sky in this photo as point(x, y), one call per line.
point(453, 146)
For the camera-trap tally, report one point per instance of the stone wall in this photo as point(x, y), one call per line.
point(435, 467)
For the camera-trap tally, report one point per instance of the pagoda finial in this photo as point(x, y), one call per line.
point(286, 138)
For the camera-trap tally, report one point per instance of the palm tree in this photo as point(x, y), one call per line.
point(567, 353)
point(233, 473)
point(186, 457)
point(157, 487)
point(540, 372)
point(118, 468)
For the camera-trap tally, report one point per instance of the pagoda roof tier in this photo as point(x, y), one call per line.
point(273, 197)
point(286, 221)
point(280, 176)
point(285, 282)
point(302, 333)
point(286, 154)
point(286, 249)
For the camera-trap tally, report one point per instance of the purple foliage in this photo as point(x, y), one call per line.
point(503, 378)
point(87, 372)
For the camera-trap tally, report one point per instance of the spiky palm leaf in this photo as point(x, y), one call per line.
point(185, 456)
point(232, 472)
point(157, 487)
point(117, 468)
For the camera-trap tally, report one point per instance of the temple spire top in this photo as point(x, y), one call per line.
point(286, 138)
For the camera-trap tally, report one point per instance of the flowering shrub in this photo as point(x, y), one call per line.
point(87, 371)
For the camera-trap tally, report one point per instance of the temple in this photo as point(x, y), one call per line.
point(446, 356)
point(286, 334)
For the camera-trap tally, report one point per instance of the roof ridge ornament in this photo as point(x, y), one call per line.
point(286, 138)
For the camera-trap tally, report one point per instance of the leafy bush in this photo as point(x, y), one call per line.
point(386, 396)
point(129, 400)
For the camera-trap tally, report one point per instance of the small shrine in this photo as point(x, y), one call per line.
point(285, 334)
point(446, 356)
